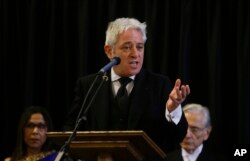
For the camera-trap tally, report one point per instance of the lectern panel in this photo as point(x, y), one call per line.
point(119, 145)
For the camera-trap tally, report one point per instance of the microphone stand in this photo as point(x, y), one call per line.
point(64, 149)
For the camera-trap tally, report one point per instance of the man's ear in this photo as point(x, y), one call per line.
point(108, 51)
point(208, 131)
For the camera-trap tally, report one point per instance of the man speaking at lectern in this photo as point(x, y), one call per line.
point(130, 98)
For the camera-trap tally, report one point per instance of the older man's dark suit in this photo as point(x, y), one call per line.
point(205, 155)
point(147, 108)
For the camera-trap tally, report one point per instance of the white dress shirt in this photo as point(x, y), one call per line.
point(193, 156)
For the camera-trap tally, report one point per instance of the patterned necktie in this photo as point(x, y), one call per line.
point(122, 96)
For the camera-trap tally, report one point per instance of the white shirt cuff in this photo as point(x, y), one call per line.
point(174, 116)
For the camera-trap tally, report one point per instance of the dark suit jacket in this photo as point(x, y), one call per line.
point(147, 108)
point(205, 155)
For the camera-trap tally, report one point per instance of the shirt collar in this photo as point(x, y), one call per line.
point(115, 77)
point(193, 156)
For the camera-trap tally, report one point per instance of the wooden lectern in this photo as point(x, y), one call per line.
point(109, 145)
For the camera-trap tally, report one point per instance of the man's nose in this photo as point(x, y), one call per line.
point(189, 132)
point(134, 51)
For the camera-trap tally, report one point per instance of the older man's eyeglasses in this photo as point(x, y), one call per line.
point(196, 130)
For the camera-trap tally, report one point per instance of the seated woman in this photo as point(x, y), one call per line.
point(32, 143)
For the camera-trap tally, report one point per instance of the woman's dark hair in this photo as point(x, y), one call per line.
point(20, 148)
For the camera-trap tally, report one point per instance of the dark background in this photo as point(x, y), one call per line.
point(46, 45)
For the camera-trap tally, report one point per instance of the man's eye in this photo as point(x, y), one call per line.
point(140, 47)
point(126, 48)
point(195, 129)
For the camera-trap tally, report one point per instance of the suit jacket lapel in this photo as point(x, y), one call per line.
point(139, 100)
point(102, 106)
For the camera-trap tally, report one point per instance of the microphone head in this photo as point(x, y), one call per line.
point(114, 61)
point(117, 60)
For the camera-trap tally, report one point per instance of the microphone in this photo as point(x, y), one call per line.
point(64, 149)
point(114, 61)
